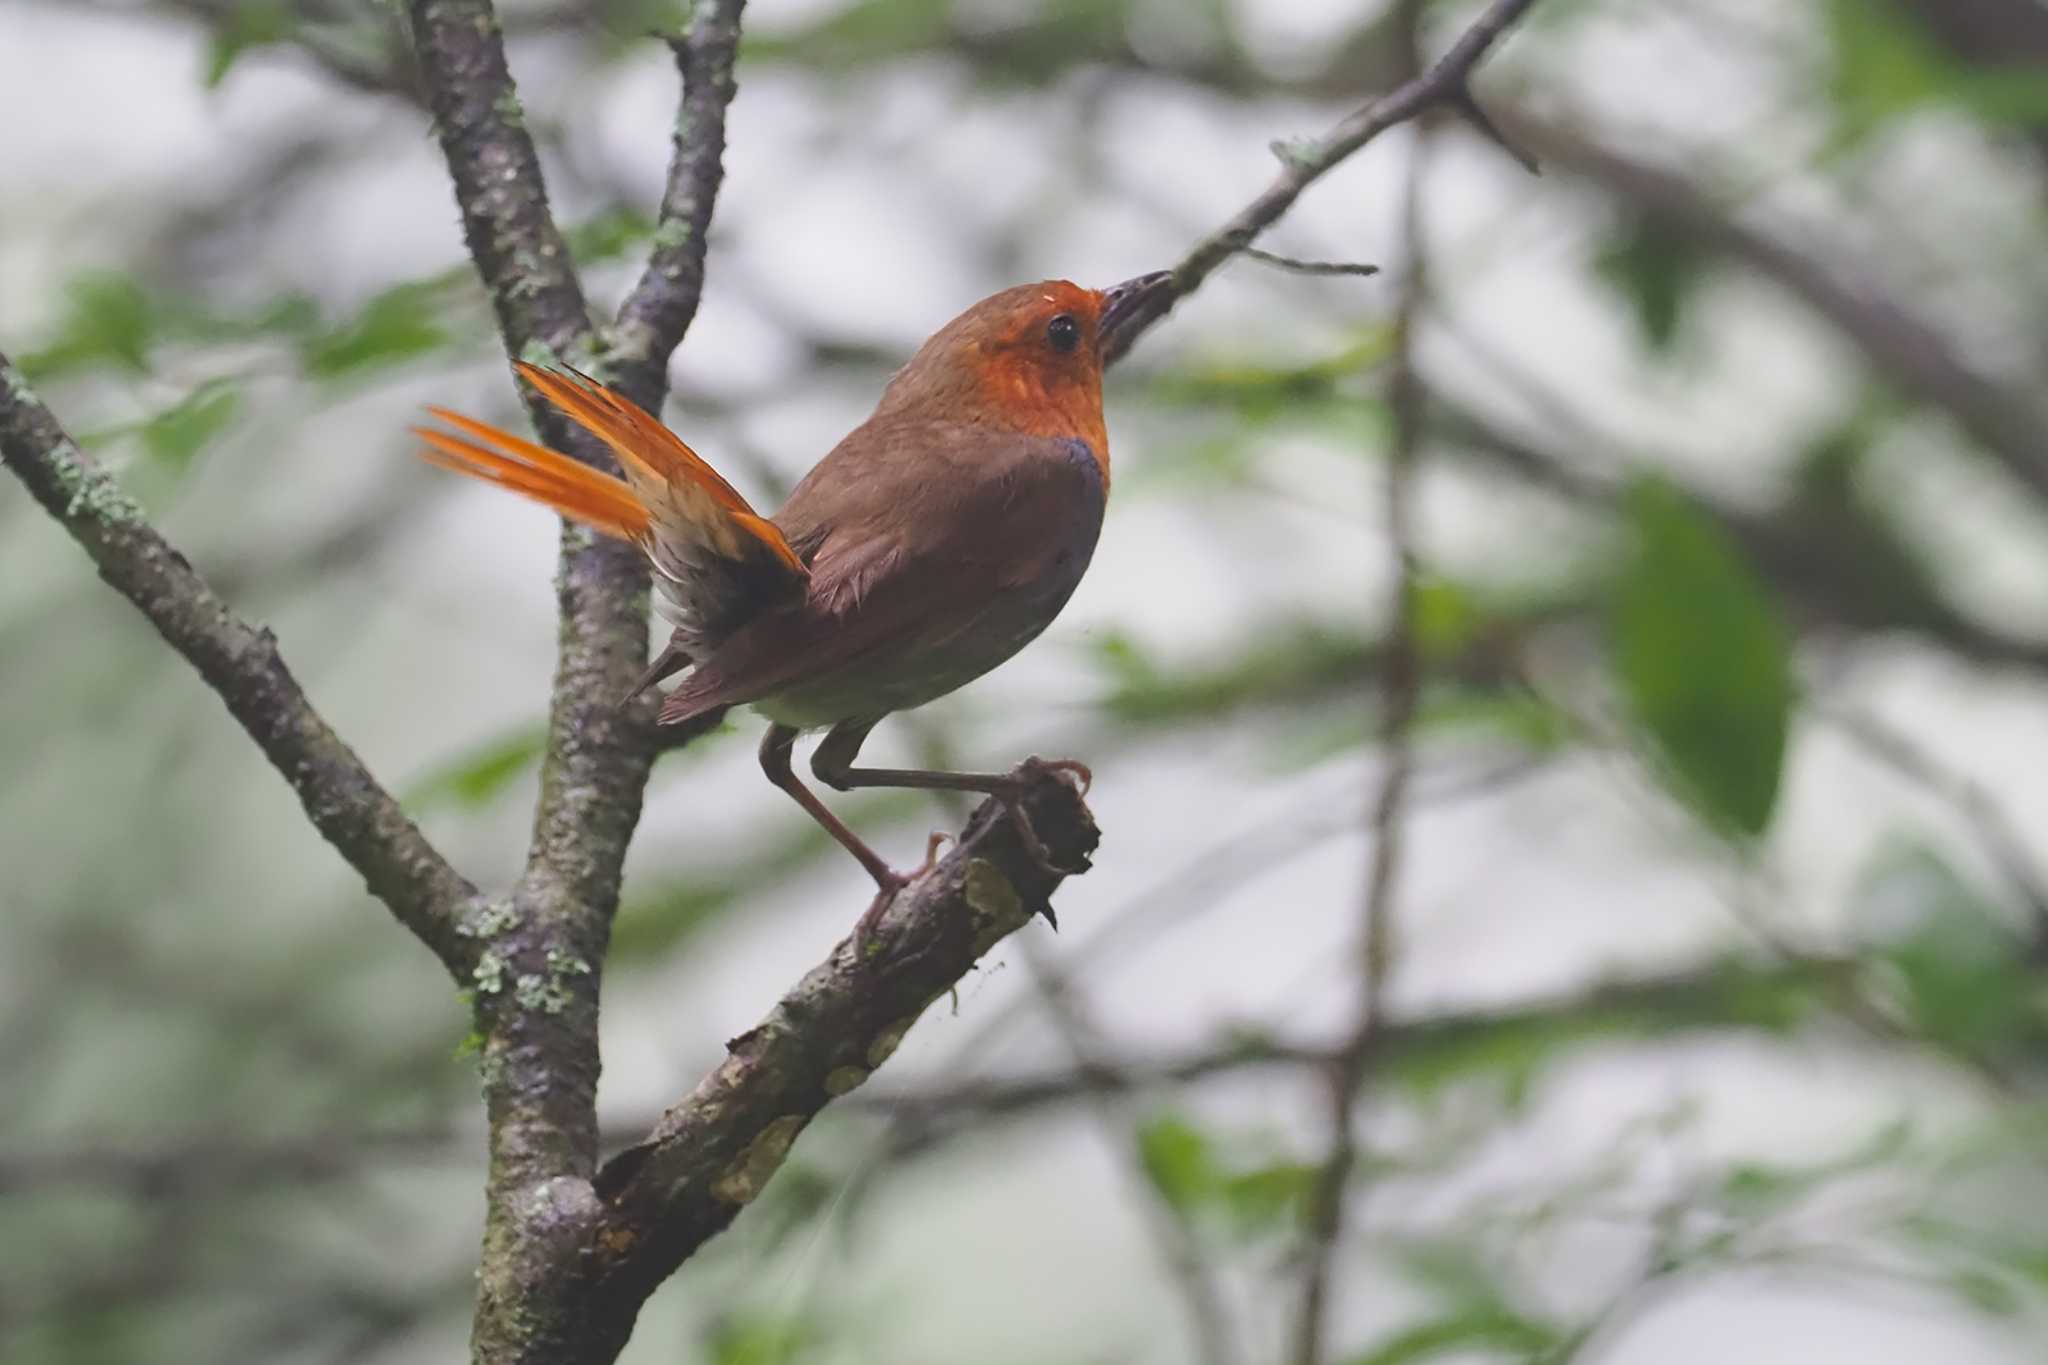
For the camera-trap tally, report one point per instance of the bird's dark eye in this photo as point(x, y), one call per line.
point(1063, 332)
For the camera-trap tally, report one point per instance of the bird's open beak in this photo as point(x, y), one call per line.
point(1129, 308)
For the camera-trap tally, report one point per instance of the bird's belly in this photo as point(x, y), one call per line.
point(924, 670)
point(946, 621)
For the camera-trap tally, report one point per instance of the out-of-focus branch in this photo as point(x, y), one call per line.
point(1213, 1338)
point(241, 663)
point(1400, 681)
point(1303, 163)
point(2010, 34)
point(1978, 808)
point(369, 57)
point(1826, 568)
point(1726, 996)
point(216, 1164)
point(658, 311)
point(1730, 995)
point(1908, 350)
point(711, 1155)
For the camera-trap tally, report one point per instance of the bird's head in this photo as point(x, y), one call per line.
point(1027, 360)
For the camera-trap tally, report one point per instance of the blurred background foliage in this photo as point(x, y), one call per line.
point(1716, 1012)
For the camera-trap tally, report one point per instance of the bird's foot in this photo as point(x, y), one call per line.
point(1071, 768)
point(885, 894)
point(1011, 797)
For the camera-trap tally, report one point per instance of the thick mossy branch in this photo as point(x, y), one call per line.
point(240, 662)
point(511, 232)
point(711, 1154)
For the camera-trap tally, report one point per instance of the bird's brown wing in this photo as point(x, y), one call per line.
point(935, 551)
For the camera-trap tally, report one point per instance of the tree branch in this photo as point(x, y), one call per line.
point(1211, 1331)
point(1905, 348)
point(1400, 679)
point(242, 664)
point(1304, 163)
point(659, 310)
point(711, 1154)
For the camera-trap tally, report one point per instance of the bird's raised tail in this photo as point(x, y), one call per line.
point(718, 562)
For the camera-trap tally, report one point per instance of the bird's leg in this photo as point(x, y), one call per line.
point(832, 761)
point(775, 751)
point(673, 659)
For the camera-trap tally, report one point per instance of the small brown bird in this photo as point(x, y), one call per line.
point(935, 541)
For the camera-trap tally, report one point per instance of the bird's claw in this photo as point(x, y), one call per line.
point(1074, 774)
point(1070, 770)
point(885, 896)
point(1027, 834)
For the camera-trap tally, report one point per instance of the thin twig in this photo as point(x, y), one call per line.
point(1977, 807)
point(660, 307)
point(1300, 267)
point(1303, 163)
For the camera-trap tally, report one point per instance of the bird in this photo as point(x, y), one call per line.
point(936, 540)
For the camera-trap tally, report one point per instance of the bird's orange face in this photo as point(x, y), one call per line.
point(1041, 366)
point(1027, 360)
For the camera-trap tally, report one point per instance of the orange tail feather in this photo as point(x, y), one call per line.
point(656, 456)
point(573, 489)
point(710, 549)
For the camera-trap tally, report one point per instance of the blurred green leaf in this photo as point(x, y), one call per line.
point(1888, 63)
point(1243, 1197)
point(1272, 392)
point(396, 325)
point(1965, 972)
point(611, 234)
point(1179, 1161)
point(1474, 1330)
point(1703, 662)
point(1269, 1197)
point(477, 776)
point(1513, 1047)
point(1879, 575)
point(1032, 45)
point(178, 433)
point(1986, 1291)
point(1445, 616)
point(1759, 1187)
point(1995, 1270)
point(1286, 662)
point(1519, 718)
point(241, 28)
point(107, 317)
point(655, 923)
point(2013, 95)
point(1477, 1313)
point(1884, 64)
point(757, 1339)
point(1657, 272)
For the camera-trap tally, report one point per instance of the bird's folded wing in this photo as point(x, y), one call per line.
point(988, 548)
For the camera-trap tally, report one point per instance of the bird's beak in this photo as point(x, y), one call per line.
point(1129, 308)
